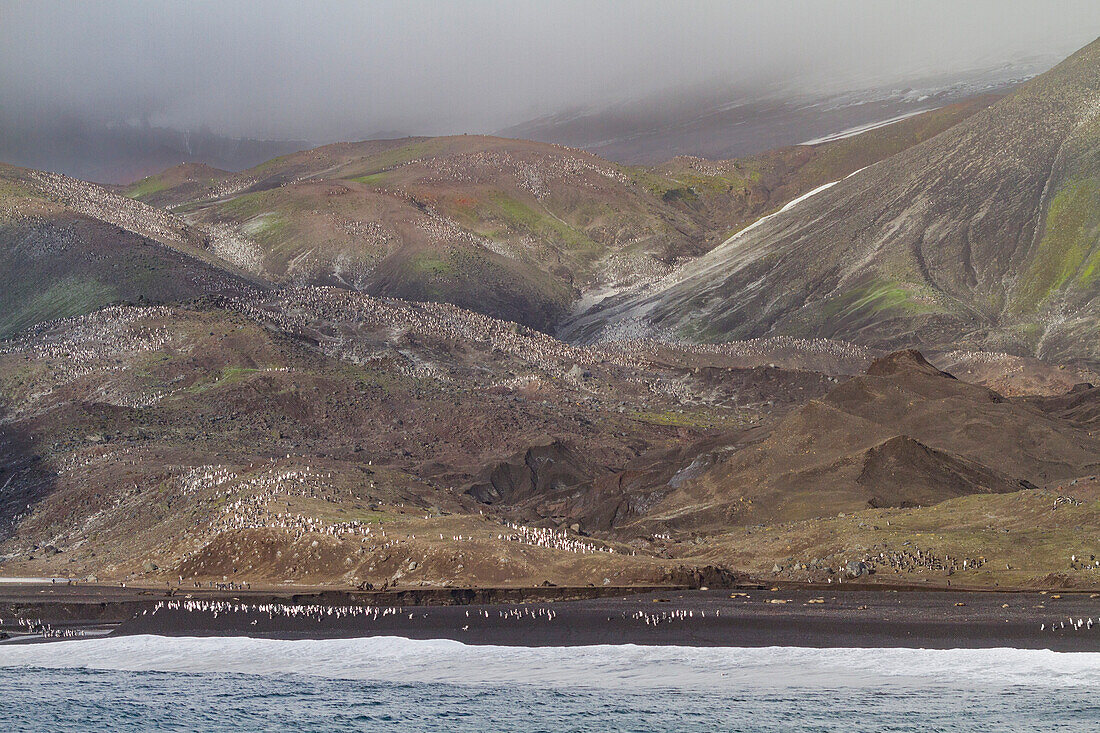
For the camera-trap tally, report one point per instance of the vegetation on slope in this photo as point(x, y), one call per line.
point(533, 225)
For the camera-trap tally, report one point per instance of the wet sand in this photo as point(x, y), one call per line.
point(811, 617)
point(99, 609)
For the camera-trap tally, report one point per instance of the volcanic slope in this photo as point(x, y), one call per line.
point(322, 435)
point(319, 435)
point(984, 236)
point(903, 434)
point(68, 247)
point(510, 228)
point(504, 227)
point(1033, 538)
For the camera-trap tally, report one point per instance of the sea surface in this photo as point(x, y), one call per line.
point(239, 684)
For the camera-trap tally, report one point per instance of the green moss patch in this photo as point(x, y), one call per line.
point(372, 179)
point(1068, 247)
point(519, 216)
point(246, 205)
point(877, 298)
point(145, 187)
point(430, 264)
point(25, 304)
point(380, 163)
point(229, 375)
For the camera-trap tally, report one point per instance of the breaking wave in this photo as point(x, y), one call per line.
point(394, 659)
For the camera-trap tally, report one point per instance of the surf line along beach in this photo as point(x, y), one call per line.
point(745, 617)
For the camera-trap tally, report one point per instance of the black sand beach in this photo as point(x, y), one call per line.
point(810, 617)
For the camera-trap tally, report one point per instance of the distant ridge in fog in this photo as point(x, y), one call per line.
point(121, 153)
point(736, 122)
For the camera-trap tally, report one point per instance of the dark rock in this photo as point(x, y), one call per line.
point(856, 568)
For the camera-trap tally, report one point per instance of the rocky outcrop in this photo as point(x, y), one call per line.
point(540, 469)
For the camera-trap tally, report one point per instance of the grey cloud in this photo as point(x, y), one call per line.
point(331, 70)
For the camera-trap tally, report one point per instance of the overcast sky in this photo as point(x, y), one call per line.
point(326, 70)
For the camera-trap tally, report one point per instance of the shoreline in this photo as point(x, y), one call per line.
point(752, 616)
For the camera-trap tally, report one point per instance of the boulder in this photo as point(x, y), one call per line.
point(856, 568)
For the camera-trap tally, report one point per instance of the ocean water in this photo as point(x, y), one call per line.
point(156, 683)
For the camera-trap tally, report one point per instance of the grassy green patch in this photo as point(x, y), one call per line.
point(540, 224)
point(16, 381)
point(402, 155)
point(1091, 270)
point(367, 168)
point(1018, 533)
point(246, 205)
point(25, 303)
point(145, 187)
point(653, 183)
point(266, 226)
point(430, 264)
point(715, 185)
point(12, 191)
point(372, 179)
point(1070, 236)
point(688, 186)
point(228, 375)
point(269, 164)
point(877, 298)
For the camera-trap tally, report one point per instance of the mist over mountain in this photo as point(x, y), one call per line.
point(719, 123)
point(80, 82)
point(108, 151)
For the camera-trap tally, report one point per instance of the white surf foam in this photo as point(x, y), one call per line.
point(393, 659)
